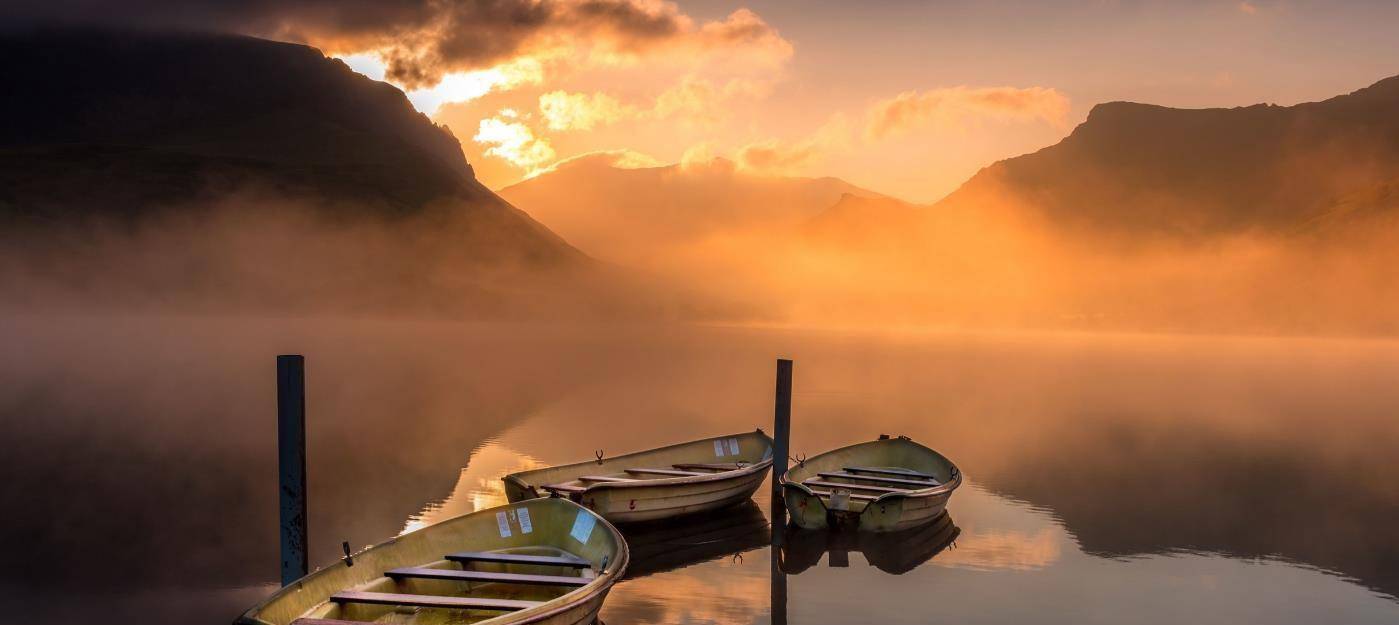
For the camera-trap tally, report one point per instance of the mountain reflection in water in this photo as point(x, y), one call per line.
point(1110, 477)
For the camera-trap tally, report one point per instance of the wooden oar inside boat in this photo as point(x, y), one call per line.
point(671, 481)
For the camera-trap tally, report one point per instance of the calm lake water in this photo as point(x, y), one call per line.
point(1111, 478)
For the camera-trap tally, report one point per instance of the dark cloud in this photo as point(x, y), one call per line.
point(420, 39)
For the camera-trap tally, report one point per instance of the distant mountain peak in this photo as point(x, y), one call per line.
point(1143, 167)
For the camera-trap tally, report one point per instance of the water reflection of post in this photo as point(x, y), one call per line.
point(779, 579)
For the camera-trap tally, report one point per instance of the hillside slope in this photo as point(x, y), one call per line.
point(637, 214)
point(1139, 168)
point(239, 168)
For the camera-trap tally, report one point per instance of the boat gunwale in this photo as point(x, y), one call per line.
point(679, 480)
point(599, 585)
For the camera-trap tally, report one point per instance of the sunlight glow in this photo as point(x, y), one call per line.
point(456, 87)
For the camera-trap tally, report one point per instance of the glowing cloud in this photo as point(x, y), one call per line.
point(512, 140)
point(456, 87)
point(956, 105)
point(580, 111)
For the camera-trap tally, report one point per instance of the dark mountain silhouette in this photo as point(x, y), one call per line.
point(628, 214)
point(1143, 168)
point(136, 131)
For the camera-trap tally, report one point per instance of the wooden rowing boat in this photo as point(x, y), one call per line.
point(880, 486)
point(661, 483)
point(540, 561)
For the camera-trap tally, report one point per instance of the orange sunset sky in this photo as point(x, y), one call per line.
point(906, 98)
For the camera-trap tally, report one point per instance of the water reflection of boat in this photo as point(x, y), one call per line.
point(880, 486)
point(660, 483)
point(660, 546)
point(892, 552)
point(541, 561)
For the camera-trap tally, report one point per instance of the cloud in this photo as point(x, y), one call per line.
point(581, 111)
point(773, 157)
point(693, 99)
point(420, 41)
point(955, 105)
point(512, 140)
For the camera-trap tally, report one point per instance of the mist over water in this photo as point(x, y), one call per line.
point(1250, 476)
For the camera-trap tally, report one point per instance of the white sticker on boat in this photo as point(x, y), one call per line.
point(719, 447)
point(733, 446)
point(583, 527)
point(525, 526)
point(504, 523)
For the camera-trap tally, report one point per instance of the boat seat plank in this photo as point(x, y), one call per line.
point(606, 478)
point(671, 472)
point(516, 558)
point(892, 472)
point(875, 489)
point(564, 488)
point(325, 621)
point(883, 480)
point(433, 601)
point(853, 496)
point(418, 572)
point(713, 466)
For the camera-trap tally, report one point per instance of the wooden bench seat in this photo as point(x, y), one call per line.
point(906, 473)
point(563, 488)
point(606, 478)
point(433, 601)
point(712, 466)
point(883, 480)
point(418, 572)
point(854, 497)
point(670, 472)
point(516, 558)
point(874, 489)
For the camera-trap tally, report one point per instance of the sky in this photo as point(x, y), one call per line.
point(902, 97)
point(905, 98)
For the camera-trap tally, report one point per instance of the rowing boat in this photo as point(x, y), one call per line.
point(540, 561)
point(661, 483)
point(880, 486)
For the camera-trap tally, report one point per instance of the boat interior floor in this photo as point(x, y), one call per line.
point(467, 580)
point(642, 474)
point(865, 484)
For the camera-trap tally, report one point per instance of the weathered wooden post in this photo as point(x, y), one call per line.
point(782, 422)
point(781, 439)
point(291, 464)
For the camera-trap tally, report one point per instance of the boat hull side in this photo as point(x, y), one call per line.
point(664, 501)
point(804, 509)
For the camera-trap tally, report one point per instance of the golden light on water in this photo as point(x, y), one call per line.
point(478, 485)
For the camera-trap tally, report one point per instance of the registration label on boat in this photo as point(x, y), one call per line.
point(525, 525)
point(583, 527)
point(504, 523)
point(733, 446)
point(719, 447)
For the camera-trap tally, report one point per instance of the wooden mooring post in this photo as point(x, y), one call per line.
point(291, 464)
point(782, 422)
point(782, 433)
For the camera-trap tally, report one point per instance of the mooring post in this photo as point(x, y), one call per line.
point(782, 432)
point(291, 464)
point(782, 422)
